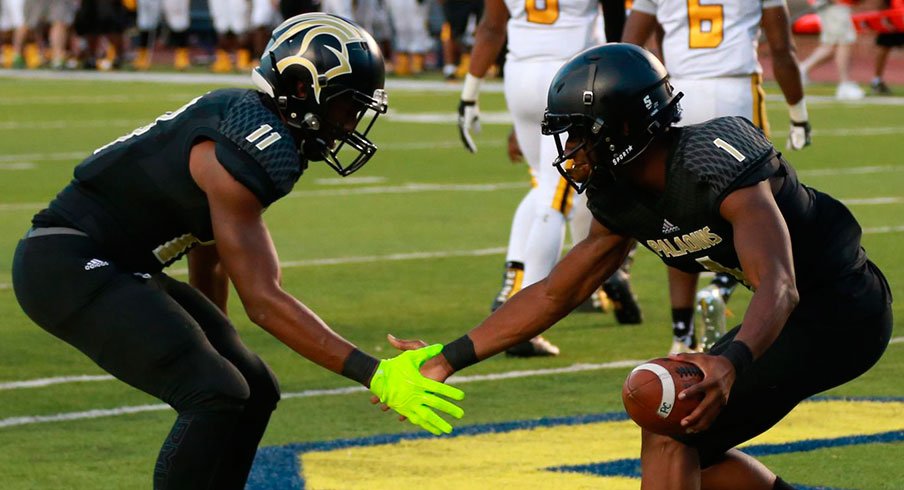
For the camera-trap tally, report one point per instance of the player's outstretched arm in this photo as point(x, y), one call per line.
point(537, 307)
point(249, 257)
point(489, 37)
point(777, 27)
point(763, 245)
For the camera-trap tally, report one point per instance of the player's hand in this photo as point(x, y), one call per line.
point(718, 377)
point(468, 121)
point(399, 384)
point(799, 135)
point(514, 149)
point(437, 368)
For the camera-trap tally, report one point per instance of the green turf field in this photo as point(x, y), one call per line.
point(421, 261)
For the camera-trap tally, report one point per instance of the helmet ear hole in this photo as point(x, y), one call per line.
point(301, 90)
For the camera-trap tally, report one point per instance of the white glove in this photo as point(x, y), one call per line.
point(468, 120)
point(799, 135)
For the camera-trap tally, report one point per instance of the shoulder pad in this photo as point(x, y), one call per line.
point(722, 150)
point(262, 136)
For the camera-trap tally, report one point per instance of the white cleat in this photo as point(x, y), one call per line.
point(681, 347)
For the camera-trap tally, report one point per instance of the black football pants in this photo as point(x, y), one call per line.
point(836, 333)
point(163, 337)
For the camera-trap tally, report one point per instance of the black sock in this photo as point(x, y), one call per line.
point(192, 451)
point(235, 465)
point(683, 324)
point(179, 39)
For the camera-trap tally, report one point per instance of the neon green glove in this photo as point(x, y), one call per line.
point(399, 384)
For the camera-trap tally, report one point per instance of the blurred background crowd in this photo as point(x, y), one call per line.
point(221, 35)
point(226, 36)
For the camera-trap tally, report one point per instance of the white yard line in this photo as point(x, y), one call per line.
point(428, 86)
point(366, 259)
point(413, 188)
point(455, 380)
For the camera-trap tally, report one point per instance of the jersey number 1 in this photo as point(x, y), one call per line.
point(704, 25)
point(542, 11)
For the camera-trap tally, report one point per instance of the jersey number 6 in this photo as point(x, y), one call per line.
point(542, 11)
point(704, 24)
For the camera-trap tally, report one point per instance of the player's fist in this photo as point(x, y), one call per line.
point(468, 121)
point(399, 384)
point(799, 135)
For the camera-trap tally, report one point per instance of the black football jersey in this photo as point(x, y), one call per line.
point(136, 197)
point(684, 228)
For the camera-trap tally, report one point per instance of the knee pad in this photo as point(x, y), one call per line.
point(264, 387)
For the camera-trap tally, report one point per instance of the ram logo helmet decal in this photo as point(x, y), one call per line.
point(319, 25)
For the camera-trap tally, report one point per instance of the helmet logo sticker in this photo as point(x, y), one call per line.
point(324, 25)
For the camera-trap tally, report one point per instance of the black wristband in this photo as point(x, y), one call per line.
point(460, 353)
point(739, 355)
point(360, 367)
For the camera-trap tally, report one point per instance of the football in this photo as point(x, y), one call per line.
point(650, 395)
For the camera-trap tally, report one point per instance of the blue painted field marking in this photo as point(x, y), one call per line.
point(279, 467)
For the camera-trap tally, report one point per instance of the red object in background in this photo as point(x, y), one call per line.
point(880, 21)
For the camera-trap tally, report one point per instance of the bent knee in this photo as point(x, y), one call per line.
point(264, 386)
point(653, 443)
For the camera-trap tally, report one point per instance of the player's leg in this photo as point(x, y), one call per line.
point(220, 15)
point(682, 287)
point(517, 252)
point(14, 16)
point(263, 387)
point(698, 105)
point(404, 34)
point(239, 15)
point(666, 464)
point(513, 276)
point(177, 16)
point(803, 360)
point(132, 329)
point(421, 41)
point(738, 471)
point(543, 242)
point(877, 85)
point(61, 16)
point(147, 19)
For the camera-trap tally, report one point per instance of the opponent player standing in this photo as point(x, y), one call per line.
point(739, 208)
point(540, 39)
point(197, 181)
point(710, 51)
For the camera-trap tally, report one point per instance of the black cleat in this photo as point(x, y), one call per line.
point(535, 347)
point(598, 302)
point(618, 289)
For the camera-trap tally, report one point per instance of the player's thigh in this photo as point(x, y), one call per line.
point(852, 316)
point(135, 331)
point(526, 85)
point(224, 338)
point(697, 104)
point(177, 14)
point(263, 14)
point(710, 98)
point(13, 14)
point(125, 323)
point(148, 14)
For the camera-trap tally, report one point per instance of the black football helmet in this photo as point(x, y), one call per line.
point(326, 76)
point(614, 98)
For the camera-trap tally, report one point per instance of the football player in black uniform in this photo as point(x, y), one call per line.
point(90, 269)
point(736, 206)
